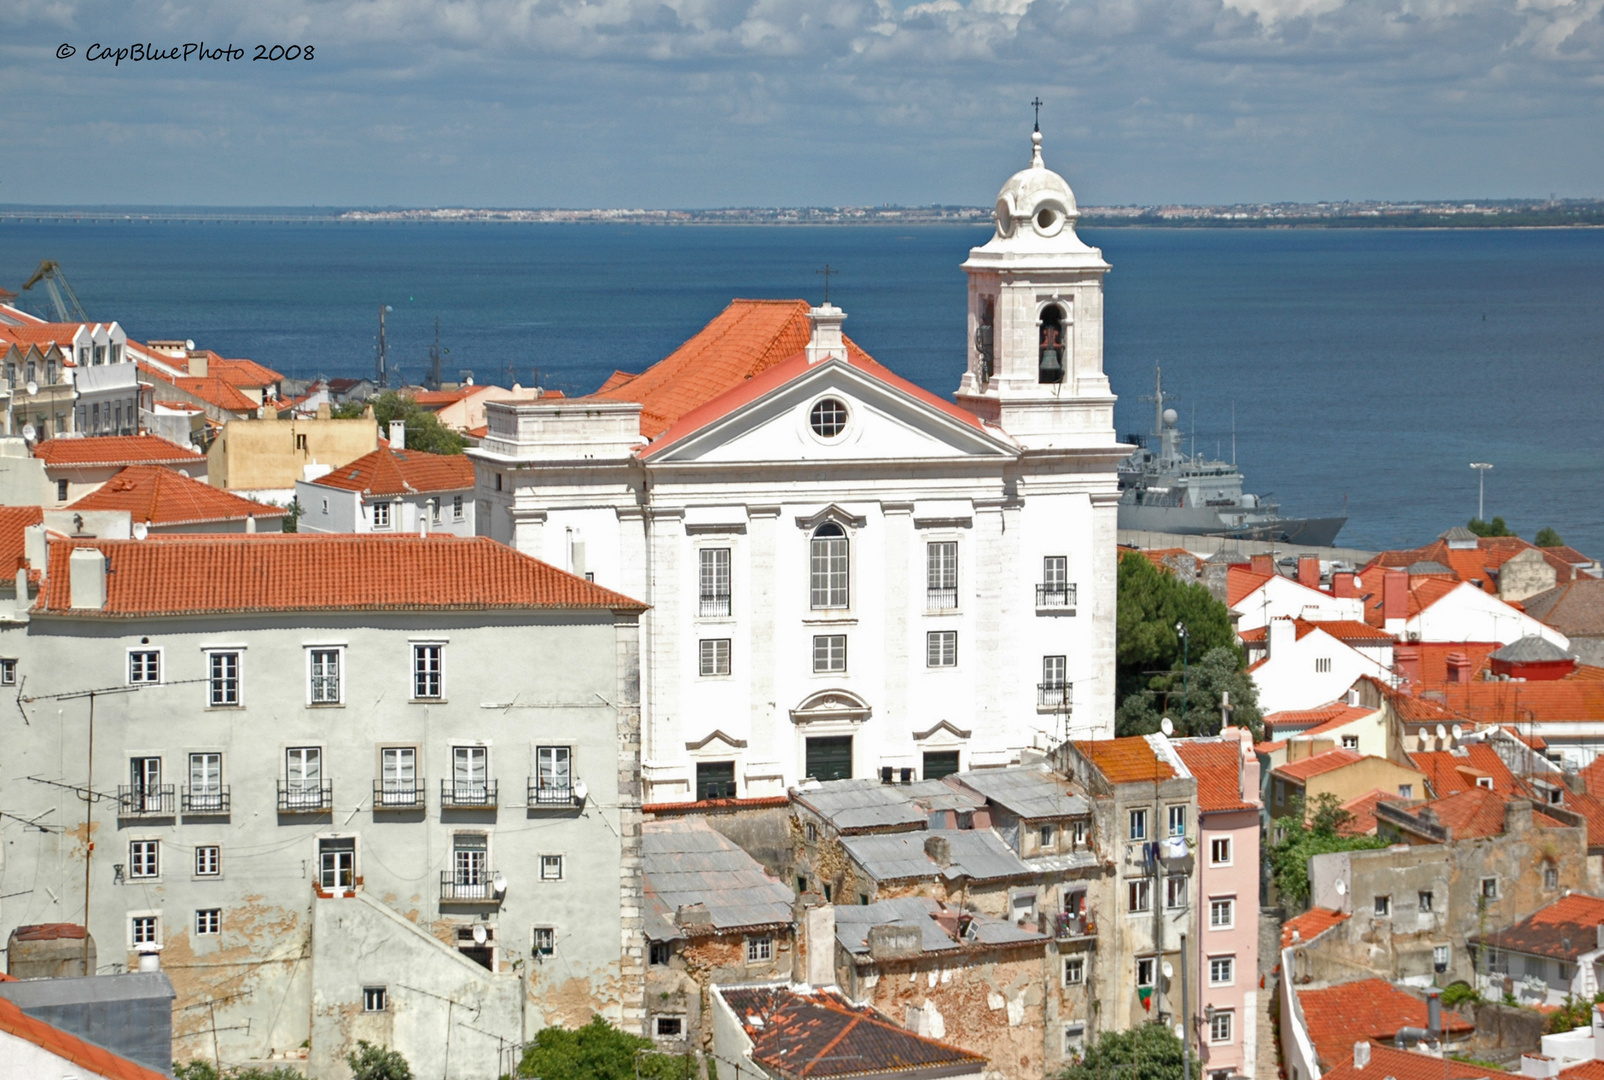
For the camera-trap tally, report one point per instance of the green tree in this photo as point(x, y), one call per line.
point(424, 429)
point(369, 1062)
point(1547, 537)
point(1204, 686)
point(1145, 1052)
point(599, 1051)
point(292, 520)
point(1319, 835)
point(1495, 527)
point(1149, 654)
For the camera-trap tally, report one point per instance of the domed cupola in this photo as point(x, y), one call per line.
point(1036, 199)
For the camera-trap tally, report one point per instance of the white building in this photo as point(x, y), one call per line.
point(392, 490)
point(847, 573)
point(1298, 664)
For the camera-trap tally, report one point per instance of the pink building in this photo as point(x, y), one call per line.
point(1227, 953)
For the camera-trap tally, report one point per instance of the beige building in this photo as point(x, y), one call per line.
point(263, 459)
point(1315, 768)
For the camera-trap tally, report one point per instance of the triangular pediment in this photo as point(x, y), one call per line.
point(944, 732)
point(884, 422)
point(717, 736)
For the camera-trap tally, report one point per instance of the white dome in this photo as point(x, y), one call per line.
point(1035, 198)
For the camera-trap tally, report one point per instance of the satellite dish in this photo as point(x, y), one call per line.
point(1167, 969)
point(1442, 732)
point(1425, 740)
point(1170, 416)
point(1357, 582)
point(1341, 887)
point(29, 432)
point(189, 344)
point(580, 790)
point(499, 883)
point(1166, 726)
point(480, 936)
point(32, 388)
point(1458, 732)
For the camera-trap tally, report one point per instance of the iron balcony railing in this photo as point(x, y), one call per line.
point(145, 801)
point(206, 800)
point(1055, 595)
point(468, 888)
point(941, 599)
point(715, 607)
point(305, 796)
point(1053, 695)
point(550, 792)
point(467, 793)
point(398, 794)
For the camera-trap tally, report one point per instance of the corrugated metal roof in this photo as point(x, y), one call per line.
point(687, 862)
point(978, 854)
point(1030, 791)
point(868, 804)
point(852, 925)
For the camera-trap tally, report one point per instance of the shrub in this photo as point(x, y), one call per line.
point(369, 1062)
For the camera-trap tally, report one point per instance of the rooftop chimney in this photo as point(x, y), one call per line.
point(1538, 1066)
point(1309, 572)
point(1395, 600)
point(1406, 658)
point(1517, 817)
point(150, 957)
point(86, 568)
point(1459, 668)
point(198, 365)
point(1280, 636)
point(36, 547)
point(1361, 1054)
point(1263, 564)
point(1434, 1013)
point(398, 434)
point(826, 340)
point(819, 941)
point(1344, 586)
point(939, 849)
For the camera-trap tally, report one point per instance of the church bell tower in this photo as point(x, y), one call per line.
point(1036, 319)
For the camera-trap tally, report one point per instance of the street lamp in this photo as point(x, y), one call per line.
point(1481, 468)
point(1180, 628)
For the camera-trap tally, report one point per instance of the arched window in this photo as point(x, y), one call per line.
point(828, 572)
point(1050, 358)
point(984, 338)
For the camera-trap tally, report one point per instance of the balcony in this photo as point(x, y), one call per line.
point(398, 794)
point(1054, 695)
point(941, 599)
point(715, 607)
point(468, 888)
point(1055, 596)
point(547, 794)
point(206, 800)
point(467, 794)
point(142, 801)
point(1069, 927)
point(305, 796)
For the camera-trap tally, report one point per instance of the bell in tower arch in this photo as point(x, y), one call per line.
point(984, 340)
point(1050, 357)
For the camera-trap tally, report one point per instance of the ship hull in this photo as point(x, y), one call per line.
point(1205, 521)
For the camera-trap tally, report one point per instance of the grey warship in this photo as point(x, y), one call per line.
point(1167, 490)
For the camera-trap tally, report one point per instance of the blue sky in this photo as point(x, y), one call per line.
point(694, 103)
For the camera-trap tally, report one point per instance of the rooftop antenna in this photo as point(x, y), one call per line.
point(827, 272)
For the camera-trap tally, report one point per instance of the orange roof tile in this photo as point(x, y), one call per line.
point(1357, 634)
point(1363, 809)
point(218, 391)
point(1587, 1070)
point(1310, 925)
point(1561, 931)
point(1241, 582)
point(84, 1054)
point(1550, 701)
point(100, 451)
point(401, 472)
point(1337, 1016)
point(1481, 563)
point(1314, 721)
point(192, 574)
point(246, 373)
point(1386, 1061)
point(1475, 813)
point(162, 496)
point(13, 543)
point(437, 399)
point(1434, 657)
point(1125, 761)
point(1304, 768)
point(1449, 772)
point(1218, 768)
point(43, 333)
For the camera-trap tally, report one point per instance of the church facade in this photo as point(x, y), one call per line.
point(848, 575)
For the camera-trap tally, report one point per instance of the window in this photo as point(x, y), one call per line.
point(828, 418)
point(336, 858)
point(143, 930)
point(1074, 1039)
point(144, 859)
point(1281, 792)
point(434, 511)
point(543, 941)
point(303, 778)
point(659, 953)
point(1074, 970)
point(1144, 971)
point(1139, 895)
point(715, 656)
point(939, 763)
point(470, 775)
point(715, 779)
point(1425, 900)
point(223, 680)
point(208, 860)
point(1222, 970)
point(554, 775)
point(498, 481)
point(1383, 906)
point(61, 491)
point(941, 648)
point(1177, 821)
point(812, 833)
point(144, 666)
point(829, 757)
point(375, 999)
point(1175, 891)
point(1440, 957)
point(1222, 914)
point(398, 776)
point(209, 920)
point(1046, 835)
point(829, 652)
point(1406, 791)
point(325, 676)
point(551, 868)
point(1053, 690)
point(1322, 665)
point(470, 863)
point(456, 507)
point(941, 576)
point(1050, 353)
point(759, 949)
point(145, 786)
point(1220, 1027)
point(1550, 877)
point(428, 662)
point(1489, 888)
point(8, 671)
point(715, 582)
point(668, 1027)
point(1220, 851)
point(1078, 833)
point(381, 515)
point(1484, 782)
point(827, 568)
point(1054, 581)
point(325, 506)
point(1139, 824)
point(205, 794)
point(1350, 742)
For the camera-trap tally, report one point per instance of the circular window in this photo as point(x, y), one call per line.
point(1045, 219)
point(828, 418)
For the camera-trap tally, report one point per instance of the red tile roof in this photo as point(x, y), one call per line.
point(1315, 721)
point(1241, 582)
point(1385, 1061)
point(402, 472)
point(1310, 925)
point(1125, 761)
point(1479, 564)
point(1448, 771)
point(197, 574)
point(100, 451)
point(1587, 1070)
point(1304, 768)
point(161, 496)
point(1563, 930)
point(1357, 634)
point(1475, 813)
point(821, 1034)
point(13, 541)
point(1338, 1016)
point(43, 334)
point(1363, 809)
point(1218, 768)
point(86, 1055)
point(217, 391)
point(1552, 701)
point(1434, 657)
point(243, 373)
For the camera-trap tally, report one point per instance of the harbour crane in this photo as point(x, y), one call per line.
point(65, 301)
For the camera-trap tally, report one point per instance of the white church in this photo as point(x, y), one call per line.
point(848, 576)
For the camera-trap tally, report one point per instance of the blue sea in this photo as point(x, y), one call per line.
point(1366, 368)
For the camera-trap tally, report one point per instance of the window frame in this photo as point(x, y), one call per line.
point(1077, 963)
point(838, 414)
point(215, 861)
point(421, 675)
point(941, 575)
point(1425, 899)
point(1216, 843)
point(1226, 904)
point(1149, 964)
point(1137, 830)
point(657, 1027)
point(152, 651)
point(8, 671)
point(381, 508)
point(1138, 896)
point(549, 862)
point(713, 662)
point(1485, 893)
point(829, 568)
point(937, 652)
point(831, 666)
point(217, 685)
point(542, 941)
point(317, 684)
point(1172, 812)
point(144, 852)
point(135, 919)
point(760, 948)
point(372, 994)
point(554, 774)
point(715, 582)
point(1227, 964)
point(1381, 906)
point(1175, 892)
point(208, 917)
point(1216, 1038)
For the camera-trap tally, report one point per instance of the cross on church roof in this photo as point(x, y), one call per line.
point(827, 271)
point(1037, 103)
